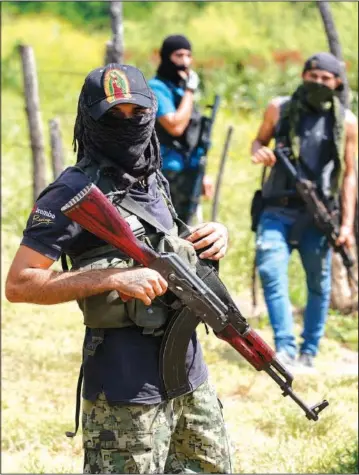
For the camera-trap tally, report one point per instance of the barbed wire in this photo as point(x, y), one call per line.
point(63, 71)
point(28, 147)
point(54, 114)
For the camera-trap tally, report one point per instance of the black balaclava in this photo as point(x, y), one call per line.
point(319, 96)
point(167, 69)
point(127, 145)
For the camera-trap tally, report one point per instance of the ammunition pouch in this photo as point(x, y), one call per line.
point(108, 310)
point(184, 249)
point(257, 206)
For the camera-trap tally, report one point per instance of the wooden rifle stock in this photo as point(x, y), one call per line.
point(93, 211)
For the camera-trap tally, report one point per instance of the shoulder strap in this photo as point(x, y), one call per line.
point(133, 207)
point(183, 228)
point(91, 169)
point(263, 175)
point(284, 107)
point(162, 182)
point(94, 172)
point(283, 123)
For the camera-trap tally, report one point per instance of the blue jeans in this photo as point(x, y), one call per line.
point(273, 252)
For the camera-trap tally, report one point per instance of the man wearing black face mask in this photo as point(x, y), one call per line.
point(322, 137)
point(178, 125)
point(128, 424)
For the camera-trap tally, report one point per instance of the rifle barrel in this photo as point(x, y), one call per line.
point(284, 160)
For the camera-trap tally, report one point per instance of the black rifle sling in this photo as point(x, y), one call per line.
point(133, 207)
point(97, 337)
point(78, 403)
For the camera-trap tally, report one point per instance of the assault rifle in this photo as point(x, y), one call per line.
point(204, 142)
point(201, 297)
point(316, 207)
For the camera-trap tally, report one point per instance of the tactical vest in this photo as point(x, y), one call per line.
point(107, 310)
point(189, 140)
point(318, 160)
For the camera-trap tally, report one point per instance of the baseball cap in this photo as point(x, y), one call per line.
point(324, 61)
point(114, 84)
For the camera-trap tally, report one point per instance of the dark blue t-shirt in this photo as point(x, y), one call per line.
point(126, 365)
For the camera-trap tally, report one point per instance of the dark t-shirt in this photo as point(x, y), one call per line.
point(126, 365)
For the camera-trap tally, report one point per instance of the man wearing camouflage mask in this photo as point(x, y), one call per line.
point(129, 424)
point(322, 138)
point(178, 126)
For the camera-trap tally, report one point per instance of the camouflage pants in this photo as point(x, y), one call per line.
point(184, 435)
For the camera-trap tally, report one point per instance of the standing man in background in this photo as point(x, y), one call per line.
point(178, 126)
point(322, 137)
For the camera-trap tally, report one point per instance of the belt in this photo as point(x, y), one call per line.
point(285, 201)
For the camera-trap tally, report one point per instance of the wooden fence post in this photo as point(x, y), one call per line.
point(334, 45)
point(57, 155)
point(115, 47)
point(344, 296)
point(34, 118)
point(220, 173)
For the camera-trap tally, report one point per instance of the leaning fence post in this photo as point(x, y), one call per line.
point(57, 154)
point(32, 108)
point(115, 47)
point(220, 173)
point(334, 46)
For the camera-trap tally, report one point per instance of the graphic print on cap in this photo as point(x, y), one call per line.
point(116, 85)
point(314, 63)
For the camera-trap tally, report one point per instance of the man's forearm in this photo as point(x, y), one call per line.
point(349, 192)
point(48, 287)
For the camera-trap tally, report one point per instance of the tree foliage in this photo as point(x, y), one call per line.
point(85, 14)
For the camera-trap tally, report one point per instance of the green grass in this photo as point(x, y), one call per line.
point(269, 433)
point(41, 346)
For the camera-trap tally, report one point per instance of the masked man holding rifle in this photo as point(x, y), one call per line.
point(128, 425)
point(179, 126)
point(321, 136)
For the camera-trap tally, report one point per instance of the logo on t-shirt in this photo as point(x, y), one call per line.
point(42, 216)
